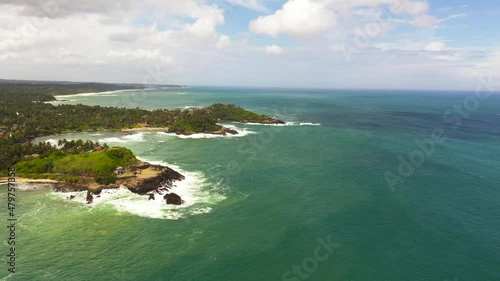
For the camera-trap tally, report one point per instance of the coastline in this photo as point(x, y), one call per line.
point(141, 178)
point(144, 129)
point(124, 130)
point(118, 91)
point(100, 93)
point(4, 180)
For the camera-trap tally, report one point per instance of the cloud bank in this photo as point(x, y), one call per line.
point(298, 43)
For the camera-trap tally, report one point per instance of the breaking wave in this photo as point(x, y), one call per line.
point(199, 196)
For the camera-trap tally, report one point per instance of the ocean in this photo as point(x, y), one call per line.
point(359, 185)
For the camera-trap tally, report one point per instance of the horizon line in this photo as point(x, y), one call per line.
point(240, 86)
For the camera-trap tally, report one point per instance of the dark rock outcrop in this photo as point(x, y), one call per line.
point(164, 179)
point(224, 131)
point(90, 198)
point(173, 199)
point(144, 165)
point(160, 182)
point(230, 131)
point(273, 121)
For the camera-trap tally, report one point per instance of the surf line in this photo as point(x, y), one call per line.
point(11, 220)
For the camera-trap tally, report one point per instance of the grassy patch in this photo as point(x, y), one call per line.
point(71, 167)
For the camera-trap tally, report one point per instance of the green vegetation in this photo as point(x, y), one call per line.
point(26, 91)
point(231, 112)
point(204, 120)
point(195, 121)
point(73, 168)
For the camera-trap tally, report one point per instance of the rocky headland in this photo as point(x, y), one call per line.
point(143, 179)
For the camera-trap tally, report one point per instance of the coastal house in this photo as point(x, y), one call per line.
point(144, 125)
point(97, 148)
point(119, 171)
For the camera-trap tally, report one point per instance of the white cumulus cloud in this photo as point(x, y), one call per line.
point(297, 17)
point(273, 50)
point(307, 17)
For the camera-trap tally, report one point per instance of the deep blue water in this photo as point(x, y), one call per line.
point(270, 196)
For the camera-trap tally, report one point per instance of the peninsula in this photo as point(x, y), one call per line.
point(74, 167)
point(79, 165)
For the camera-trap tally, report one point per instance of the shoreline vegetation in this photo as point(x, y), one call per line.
point(78, 165)
point(94, 171)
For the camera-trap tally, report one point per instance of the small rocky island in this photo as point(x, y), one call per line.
point(205, 120)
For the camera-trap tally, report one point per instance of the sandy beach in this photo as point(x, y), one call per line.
point(24, 180)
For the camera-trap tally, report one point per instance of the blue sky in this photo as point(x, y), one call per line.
point(409, 44)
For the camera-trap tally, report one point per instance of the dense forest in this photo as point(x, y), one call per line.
point(45, 90)
point(25, 115)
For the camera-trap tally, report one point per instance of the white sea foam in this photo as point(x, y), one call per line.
point(277, 125)
point(59, 101)
point(191, 190)
point(286, 124)
point(201, 211)
point(107, 93)
point(181, 93)
point(52, 142)
point(241, 133)
point(137, 137)
point(112, 140)
point(25, 186)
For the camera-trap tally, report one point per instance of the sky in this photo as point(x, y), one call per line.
point(360, 44)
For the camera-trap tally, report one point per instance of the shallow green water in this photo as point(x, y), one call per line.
point(262, 201)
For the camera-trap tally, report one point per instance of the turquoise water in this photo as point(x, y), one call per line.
point(260, 202)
